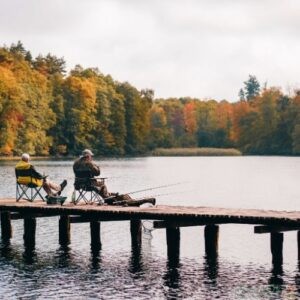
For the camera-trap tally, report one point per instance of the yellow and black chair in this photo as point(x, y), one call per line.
point(84, 188)
point(27, 186)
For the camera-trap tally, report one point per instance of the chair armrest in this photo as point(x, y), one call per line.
point(101, 178)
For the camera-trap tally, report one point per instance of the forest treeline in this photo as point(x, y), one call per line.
point(44, 111)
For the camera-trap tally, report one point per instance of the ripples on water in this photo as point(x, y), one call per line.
point(243, 269)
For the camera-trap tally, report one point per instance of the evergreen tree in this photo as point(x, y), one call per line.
point(18, 49)
point(49, 65)
point(242, 95)
point(252, 88)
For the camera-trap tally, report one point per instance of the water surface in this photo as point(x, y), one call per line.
point(243, 269)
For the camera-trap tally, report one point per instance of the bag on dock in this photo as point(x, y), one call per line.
point(55, 199)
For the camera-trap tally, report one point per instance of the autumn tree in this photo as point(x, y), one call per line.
point(80, 113)
point(137, 109)
point(26, 113)
point(159, 132)
point(44, 111)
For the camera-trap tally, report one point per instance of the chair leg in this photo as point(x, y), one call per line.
point(37, 191)
point(18, 193)
point(28, 193)
point(86, 197)
point(80, 197)
point(22, 192)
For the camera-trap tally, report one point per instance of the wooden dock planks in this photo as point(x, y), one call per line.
point(205, 215)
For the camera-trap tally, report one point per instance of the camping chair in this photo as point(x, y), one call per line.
point(28, 191)
point(86, 190)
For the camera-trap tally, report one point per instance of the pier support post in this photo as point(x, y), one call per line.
point(276, 247)
point(6, 229)
point(136, 233)
point(173, 244)
point(29, 232)
point(211, 235)
point(298, 239)
point(95, 235)
point(64, 230)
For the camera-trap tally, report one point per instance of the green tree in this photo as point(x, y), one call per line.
point(295, 117)
point(252, 88)
point(49, 65)
point(18, 49)
point(242, 95)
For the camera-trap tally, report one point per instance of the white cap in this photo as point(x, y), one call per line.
point(87, 152)
point(25, 156)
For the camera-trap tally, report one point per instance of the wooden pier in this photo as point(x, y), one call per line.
point(170, 218)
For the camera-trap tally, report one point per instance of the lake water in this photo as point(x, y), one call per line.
point(243, 269)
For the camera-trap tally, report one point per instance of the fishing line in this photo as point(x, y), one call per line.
point(165, 194)
point(157, 187)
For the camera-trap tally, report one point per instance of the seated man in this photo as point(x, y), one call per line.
point(51, 188)
point(85, 164)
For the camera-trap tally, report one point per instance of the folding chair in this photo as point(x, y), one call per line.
point(28, 191)
point(84, 188)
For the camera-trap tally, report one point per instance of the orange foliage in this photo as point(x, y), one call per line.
point(189, 113)
point(240, 109)
point(224, 112)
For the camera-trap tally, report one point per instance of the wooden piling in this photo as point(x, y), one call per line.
point(29, 232)
point(276, 247)
point(6, 228)
point(136, 232)
point(64, 230)
point(95, 235)
point(211, 236)
point(173, 244)
point(298, 244)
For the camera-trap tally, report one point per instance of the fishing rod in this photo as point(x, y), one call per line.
point(144, 190)
point(165, 194)
point(154, 188)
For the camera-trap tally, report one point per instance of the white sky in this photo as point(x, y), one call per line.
point(196, 48)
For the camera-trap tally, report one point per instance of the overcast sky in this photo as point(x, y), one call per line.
point(196, 48)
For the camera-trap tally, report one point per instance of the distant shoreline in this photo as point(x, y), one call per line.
point(166, 152)
point(156, 152)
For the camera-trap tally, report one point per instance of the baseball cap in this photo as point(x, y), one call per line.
point(87, 152)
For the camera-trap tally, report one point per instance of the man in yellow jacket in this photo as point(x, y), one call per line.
point(51, 188)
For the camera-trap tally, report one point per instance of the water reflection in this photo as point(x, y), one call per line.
point(211, 267)
point(63, 256)
point(29, 255)
point(172, 278)
point(136, 263)
point(297, 279)
point(172, 275)
point(95, 258)
point(6, 250)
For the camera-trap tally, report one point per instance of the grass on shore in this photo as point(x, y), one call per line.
point(196, 152)
point(156, 152)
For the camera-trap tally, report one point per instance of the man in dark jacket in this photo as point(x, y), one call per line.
point(85, 165)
